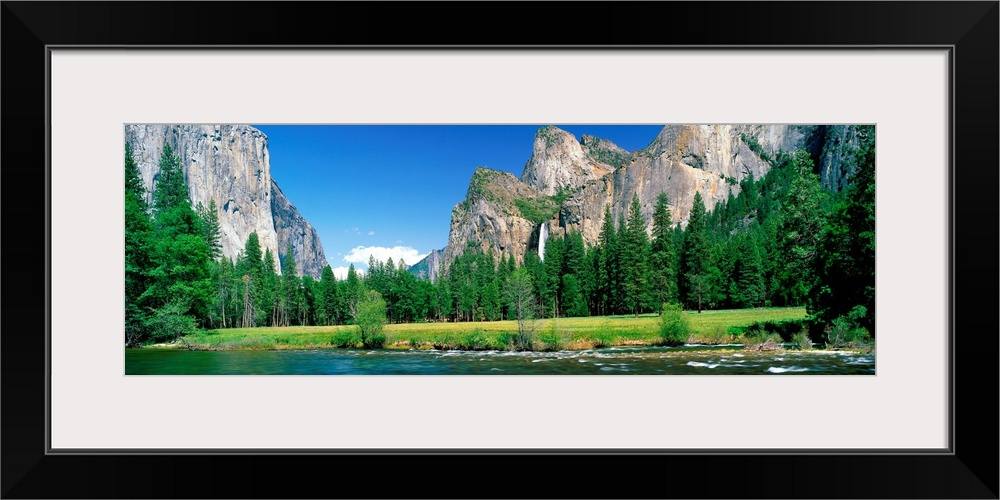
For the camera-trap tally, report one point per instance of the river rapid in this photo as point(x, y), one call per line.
point(686, 360)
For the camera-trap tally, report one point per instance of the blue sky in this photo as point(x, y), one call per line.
point(388, 190)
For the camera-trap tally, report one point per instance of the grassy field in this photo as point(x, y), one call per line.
point(551, 334)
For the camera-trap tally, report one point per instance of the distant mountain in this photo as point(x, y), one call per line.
point(429, 266)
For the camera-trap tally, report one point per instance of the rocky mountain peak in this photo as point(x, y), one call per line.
point(500, 214)
point(559, 161)
point(604, 151)
point(594, 173)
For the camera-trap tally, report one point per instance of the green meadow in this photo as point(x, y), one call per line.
point(708, 327)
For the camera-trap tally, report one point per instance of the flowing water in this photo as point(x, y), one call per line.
point(543, 234)
point(686, 360)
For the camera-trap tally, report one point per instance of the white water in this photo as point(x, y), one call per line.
point(543, 234)
point(639, 360)
point(775, 369)
point(702, 365)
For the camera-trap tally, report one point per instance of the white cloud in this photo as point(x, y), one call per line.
point(341, 272)
point(360, 254)
point(371, 233)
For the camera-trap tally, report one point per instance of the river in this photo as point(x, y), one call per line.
point(686, 360)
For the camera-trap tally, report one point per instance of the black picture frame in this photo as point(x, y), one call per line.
point(968, 470)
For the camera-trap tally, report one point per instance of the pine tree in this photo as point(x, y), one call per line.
point(328, 286)
point(747, 283)
point(588, 279)
point(574, 260)
point(635, 259)
point(605, 263)
point(270, 291)
point(290, 285)
point(718, 271)
point(662, 267)
point(536, 272)
point(170, 188)
point(138, 226)
point(353, 290)
point(492, 301)
point(463, 283)
point(250, 272)
point(617, 268)
point(504, 271)
point(694, 280)
point(211, 228)
point(803, 217)
point(182, 289)
point(133, 180)
point(572, 298)
point(442, 293)
point(211, 232)
point(484, 272)
point(553, 264)
point(224, 278)
point(310, 302)
point(845, 259)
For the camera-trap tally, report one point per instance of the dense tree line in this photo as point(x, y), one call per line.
point(176, 279)
point(783, 240)
point(168, 271)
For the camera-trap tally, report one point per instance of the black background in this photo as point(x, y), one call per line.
point(971, 472)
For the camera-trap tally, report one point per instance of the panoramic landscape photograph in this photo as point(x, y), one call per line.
point(567, 249)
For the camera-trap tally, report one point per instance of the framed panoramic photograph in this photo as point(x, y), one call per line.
point(665, 256)
point(738, 250)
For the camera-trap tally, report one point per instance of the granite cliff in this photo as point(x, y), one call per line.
point(231, 164)
point(567, 183)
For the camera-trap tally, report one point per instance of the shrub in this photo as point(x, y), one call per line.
point(844, 333)
point(674, 327)
point(374, 341)
point(537, 210)
point(762, 341)
point(802, 341)
point(475, 341)
point(785, 329)
point(370, 314)
point(525, 342)
point(847, 332)
point(552, 341)
point(169, 322)
point(344, 338)
point(716, 336)
point(504, 342)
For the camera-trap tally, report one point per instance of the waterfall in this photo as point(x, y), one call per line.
point(543, 234)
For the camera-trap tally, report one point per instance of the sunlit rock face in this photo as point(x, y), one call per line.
point(491, 217)
point(231, 164)
point(580, 178)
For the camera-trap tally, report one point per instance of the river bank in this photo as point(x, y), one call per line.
point(573, 334)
